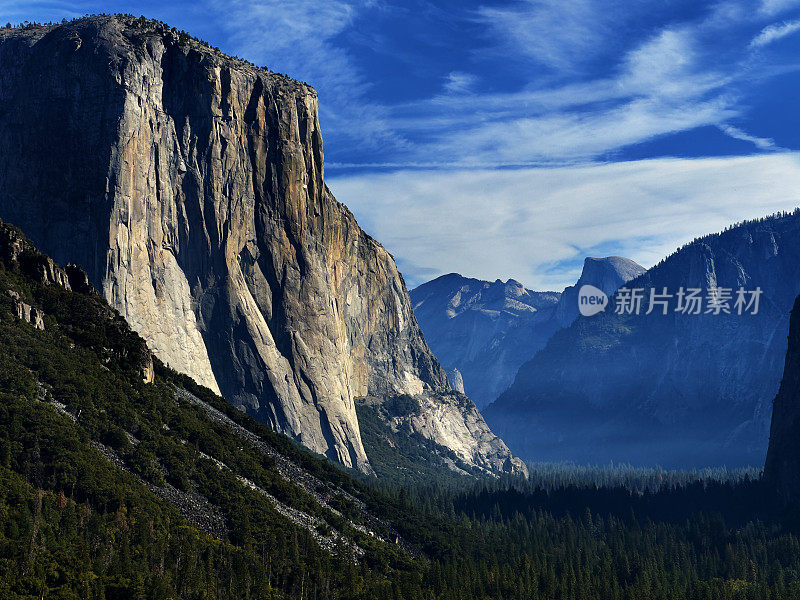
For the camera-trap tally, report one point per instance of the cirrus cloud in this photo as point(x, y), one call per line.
point(773, 33)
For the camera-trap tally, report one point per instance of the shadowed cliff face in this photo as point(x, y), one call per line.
point(190, 186)
point(782, 467)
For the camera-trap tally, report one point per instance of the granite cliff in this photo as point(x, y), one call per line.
point(486, 330)
point(190, 186)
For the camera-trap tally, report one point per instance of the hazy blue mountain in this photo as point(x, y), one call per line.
point(676, 390)
point(483, 331)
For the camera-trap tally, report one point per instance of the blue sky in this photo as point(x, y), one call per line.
point(511, 139)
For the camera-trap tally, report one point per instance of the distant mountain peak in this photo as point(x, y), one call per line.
point(482, 330)
point(487, 329)
point(607, 273)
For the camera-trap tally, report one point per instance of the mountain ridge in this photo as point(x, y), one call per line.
point(487, 330)
point(710, 378)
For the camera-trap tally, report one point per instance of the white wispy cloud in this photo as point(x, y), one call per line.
point(559, 34)
point(42, 10)
point(671, 82)
point(660, 87)
point(458, 82)
point(767, 144)
point(568, 137)
point(536, 225)
point(663, 66)
point(773, 33)
point(774, 7)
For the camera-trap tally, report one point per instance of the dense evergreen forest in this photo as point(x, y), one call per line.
point(114, 488)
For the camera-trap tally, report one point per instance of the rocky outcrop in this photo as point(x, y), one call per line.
point(456, 380)
point(190, 186)
point(26, 312)
point(677, 390)
point(782, 467)
point(487, 330)
point(17, 253)
point(453, 421)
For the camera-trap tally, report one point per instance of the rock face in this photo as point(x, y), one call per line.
point(456, 380)
point(679, 390)
point(28, 313)
point(190, 186)
point(487, 330)
point(782, 467)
